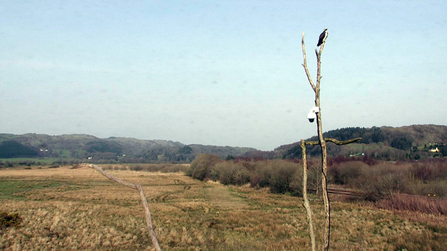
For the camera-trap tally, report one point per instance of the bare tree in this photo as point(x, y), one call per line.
point(310, 225)
point(147, 211)
point(322, 143)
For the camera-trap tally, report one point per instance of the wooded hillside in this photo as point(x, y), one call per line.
point(87, 147)
point(387, 143)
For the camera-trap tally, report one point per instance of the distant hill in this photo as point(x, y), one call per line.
point(388, 143)
point(88, 147)
point(12, 149)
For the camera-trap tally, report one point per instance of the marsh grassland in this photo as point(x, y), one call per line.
point(79, 209)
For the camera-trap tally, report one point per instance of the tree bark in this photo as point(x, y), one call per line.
point(310, 224)
point(326, 201)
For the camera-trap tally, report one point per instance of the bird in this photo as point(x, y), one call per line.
point(323, 37)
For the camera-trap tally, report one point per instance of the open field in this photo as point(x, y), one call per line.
point(79, 209)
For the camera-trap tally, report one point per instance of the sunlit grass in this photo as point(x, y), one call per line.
point(67, 209)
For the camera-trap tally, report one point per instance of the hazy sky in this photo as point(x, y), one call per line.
point(218, 72)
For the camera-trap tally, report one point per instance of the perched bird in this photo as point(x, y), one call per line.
point(323, 37)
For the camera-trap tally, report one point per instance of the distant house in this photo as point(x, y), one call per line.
point(356, 154)
point(434, 150)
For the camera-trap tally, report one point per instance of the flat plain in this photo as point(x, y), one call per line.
point(70, 208)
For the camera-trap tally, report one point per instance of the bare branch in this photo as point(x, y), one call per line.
point(305, 64)
point(337, 142)
point(342, 142)
point(318, 54)
point(137, 187)
point(312, 143)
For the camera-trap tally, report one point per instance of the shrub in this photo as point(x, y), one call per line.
point(136, 168)
point(201, 167)
point(391, 183)
point(429, 171)
point(279, 175)
point(346, 172)
point(173, 168)
point(241, 176)
point(282, 174)
point(381, 181)
point(9, 220)
point(438, 188)
point(260, 176)
point(296, 184)
point(314, 176)
point(223, 172)
point(230, 173)
point(414, 203)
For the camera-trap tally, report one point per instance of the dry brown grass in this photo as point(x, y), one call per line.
point(81, 209)
point(424, 204)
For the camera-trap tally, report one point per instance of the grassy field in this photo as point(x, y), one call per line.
point(79, 209)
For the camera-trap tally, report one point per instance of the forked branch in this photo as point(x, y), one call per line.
point(309, 77)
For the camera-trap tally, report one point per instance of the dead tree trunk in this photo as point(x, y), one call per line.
point(310, 225)
point(147, 212)
point(305, 198)
point(321, 142)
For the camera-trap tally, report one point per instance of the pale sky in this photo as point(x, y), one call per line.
point(218, 72)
